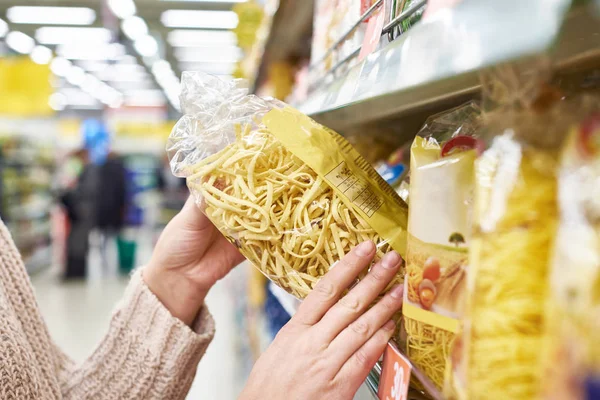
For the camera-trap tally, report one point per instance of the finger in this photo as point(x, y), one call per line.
point(360, 331)
point(357, 368)
point(192, 218)
point(354, 304)
point(331, 286)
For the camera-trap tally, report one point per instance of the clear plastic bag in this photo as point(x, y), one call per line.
point(293, 196)
point(499, 351)
point(572, 359)
point(439, 228)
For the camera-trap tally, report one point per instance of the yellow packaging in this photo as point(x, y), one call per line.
point(292, 195)
point(572, 359)
point(439, 229)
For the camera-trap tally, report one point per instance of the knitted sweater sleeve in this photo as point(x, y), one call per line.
point(146, 354)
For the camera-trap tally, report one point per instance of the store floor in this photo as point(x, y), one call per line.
point(77, 315)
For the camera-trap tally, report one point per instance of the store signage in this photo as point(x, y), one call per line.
point(395, 375)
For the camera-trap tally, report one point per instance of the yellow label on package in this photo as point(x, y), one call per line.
point(345, 170)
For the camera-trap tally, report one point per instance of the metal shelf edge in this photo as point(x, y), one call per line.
point(440, 59)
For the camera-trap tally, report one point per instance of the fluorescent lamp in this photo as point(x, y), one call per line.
point(51, 15)
point(134, 27)
point(20, 42)
point(3, 28)
point(91, 84)
point(93, 66)
point(60, 66)
point(80, 51)
point(57, 101)
point(76, 76)
point(62, 35)
point(199, 37)
point(146, 46)
point(124, 73)
point(122, 8)
point(41, 55)
point(209, 54)
point(199, 19)
point(206, 1)
point(77, 98)
point(209, 68)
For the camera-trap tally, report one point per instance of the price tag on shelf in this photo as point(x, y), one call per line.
point(373, 34)
point(395, 375)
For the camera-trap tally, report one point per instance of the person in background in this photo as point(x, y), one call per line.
point(80, 203)
point(110, 203)
point(161, 328)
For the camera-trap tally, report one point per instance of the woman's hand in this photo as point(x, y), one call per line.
point(189, 258)
point(328, 348)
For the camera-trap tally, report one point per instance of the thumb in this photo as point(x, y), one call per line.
point(192, 218)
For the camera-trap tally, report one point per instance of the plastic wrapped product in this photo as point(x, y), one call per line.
point(293, 196)
point(572, 363)
point(439, 228)
point(499, 354)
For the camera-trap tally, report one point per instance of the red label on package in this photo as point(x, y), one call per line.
point(373, 34)
point(395, 375)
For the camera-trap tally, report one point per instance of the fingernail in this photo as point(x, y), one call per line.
point(365, 248)
point(391, 260)
point(390, 325)
point(397, 291)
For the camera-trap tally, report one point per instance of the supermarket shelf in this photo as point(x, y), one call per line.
point(438, 61)
point(289, 36)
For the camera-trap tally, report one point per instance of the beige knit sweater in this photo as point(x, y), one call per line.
point(146, 354)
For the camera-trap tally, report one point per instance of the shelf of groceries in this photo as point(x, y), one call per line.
point(484, 117)
point(26, 171)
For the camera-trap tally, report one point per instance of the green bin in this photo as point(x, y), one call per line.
point(127, 249)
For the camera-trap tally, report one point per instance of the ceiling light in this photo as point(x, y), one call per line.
point(199, 37)
point(3, 28)
point(93, 66)
point(209, 54)
point(41, 55)
point(80, 51)
point(146, 46)
point(134, 27)
point(20, 42)
point(60, 66)
point(161, 67)
point(209, 68)
point(76, 76)
point(123, 73)
point(199, 19)
point(51, 15)
point(63, 34)
point(91, 84)
point(57, 101)
point(77, 98)
point(122, 8)
point(207, 1)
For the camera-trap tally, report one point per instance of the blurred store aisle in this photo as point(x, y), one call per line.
point(77, 315)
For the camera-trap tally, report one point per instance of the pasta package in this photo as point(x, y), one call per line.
point(572, 362)
point(292, 195)
point(498, 354)
point(439, 227)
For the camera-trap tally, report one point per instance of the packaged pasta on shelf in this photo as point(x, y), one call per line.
point(498, 354)
point(442, 159)
point(572, 362)
point(292, 195)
